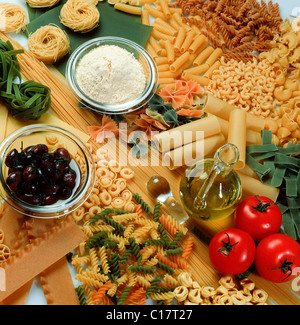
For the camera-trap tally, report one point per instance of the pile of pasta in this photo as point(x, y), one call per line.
point(180, 50)
point(134, 254)
point(238, 27)
point(229, 292)
point(269, 88)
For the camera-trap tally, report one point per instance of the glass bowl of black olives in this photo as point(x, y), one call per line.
point(46, 171)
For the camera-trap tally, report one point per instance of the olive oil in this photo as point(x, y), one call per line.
point(209, 192)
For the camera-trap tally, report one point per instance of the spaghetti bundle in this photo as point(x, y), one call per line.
point(49, 44)
point(15, 17)
point(80, 15)
point(42, 3)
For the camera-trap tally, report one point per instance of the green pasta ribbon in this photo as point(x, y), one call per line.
point(9, 66)
point(28, 100)
point(279, 167)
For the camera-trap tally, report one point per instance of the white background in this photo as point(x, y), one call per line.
point(36, 295)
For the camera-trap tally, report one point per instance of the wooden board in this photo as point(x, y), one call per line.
point(201, 268)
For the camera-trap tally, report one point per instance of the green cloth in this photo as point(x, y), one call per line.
point(112, 23)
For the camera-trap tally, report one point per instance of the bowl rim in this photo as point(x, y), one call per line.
point(111, 108)
point(56, 210)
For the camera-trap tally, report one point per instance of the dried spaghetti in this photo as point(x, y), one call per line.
point(15, 17)
point(80, 15)
point(49, 44)
point(42, 3)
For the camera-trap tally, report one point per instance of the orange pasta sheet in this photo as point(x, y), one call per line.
point(40, 254)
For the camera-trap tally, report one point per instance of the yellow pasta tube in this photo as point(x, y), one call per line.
point(161, 60)
point(159, 35)
point(151, 50)
point(128, 8)
point(197, 43)
point(203, 81)
point(187, 133)
point(222, 109)
point(203, 56)
point(145, 20)
point(164, 27)
point(210, 71)
point(252, 137)
point(174, 23)
point(170, 51)
point(187, 154)
point(166, 80)
point(178, 19)
point(170, 74)
point(197, 70)
point(156, 46)
point(214, 56)
point(187, 42)
point(154, 12)
point(179, 39)
point(179, 61)
point(252, 186)
point(143, 2)
point(163, 67)
point(165, 8)
point(237, 134)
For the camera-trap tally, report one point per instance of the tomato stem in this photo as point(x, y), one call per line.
point(227, 246)
point(286, 268)
point(262, 207)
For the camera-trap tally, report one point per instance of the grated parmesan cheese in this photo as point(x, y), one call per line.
point(111, 75)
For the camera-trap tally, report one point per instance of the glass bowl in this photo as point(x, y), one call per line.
point(81, 162)
point(147, 62)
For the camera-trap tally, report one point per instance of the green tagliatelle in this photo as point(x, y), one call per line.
point(279, 167)
point(28, 100)
point(9, 66)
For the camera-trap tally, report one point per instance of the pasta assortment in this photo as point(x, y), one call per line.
point(268, 88)
point(139, 254)
point(177, 47)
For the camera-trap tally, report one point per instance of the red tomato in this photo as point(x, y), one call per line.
point(232, 251)
point(259, 216)
point(276, 257)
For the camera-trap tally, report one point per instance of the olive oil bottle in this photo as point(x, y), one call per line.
point(211, 189)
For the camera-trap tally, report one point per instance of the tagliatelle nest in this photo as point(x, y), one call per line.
point(49, 44)
point(80, 15)
point(15, 17)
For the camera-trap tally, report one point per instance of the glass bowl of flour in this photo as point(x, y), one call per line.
point(112, 75)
